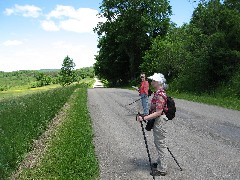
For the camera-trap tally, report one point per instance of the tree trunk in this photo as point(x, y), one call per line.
point(131, 63)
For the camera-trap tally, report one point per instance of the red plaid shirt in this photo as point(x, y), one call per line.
point(158, 101)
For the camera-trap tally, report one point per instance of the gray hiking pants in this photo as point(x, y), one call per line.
point(159, 134)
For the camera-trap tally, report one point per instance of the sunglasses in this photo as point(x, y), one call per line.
point(142, 77)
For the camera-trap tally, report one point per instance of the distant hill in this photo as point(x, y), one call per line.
point(9, 80)
point(48, 70)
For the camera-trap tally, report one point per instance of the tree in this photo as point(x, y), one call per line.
point(126, 35)
point(86, 72)
point(42, 79)
point(219, 26)
point(167, 54)
point(203, 55)
point(67, 75)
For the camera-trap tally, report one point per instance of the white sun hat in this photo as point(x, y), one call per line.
point(158, 77)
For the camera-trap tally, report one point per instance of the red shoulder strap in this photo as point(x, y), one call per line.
point(163, 94)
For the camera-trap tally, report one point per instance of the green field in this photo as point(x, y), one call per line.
point(71, 153)
point(23, 119)
point(24, 90)
point(25, 114)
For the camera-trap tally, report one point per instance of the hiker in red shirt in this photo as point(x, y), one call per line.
point(143, 92)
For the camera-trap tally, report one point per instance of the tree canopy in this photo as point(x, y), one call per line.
point(203, 55)
point(126, 35)
point(200, 56)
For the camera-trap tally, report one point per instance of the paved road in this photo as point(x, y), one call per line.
point(205, 139)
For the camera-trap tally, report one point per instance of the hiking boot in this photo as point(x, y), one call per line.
point(158, 173)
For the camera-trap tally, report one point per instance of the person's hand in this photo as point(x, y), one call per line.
point(140, 118)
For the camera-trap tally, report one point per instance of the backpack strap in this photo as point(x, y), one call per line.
point(164, 95)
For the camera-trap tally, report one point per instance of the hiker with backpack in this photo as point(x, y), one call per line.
point(157, 114)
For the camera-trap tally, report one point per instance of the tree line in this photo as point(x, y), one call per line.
point(38, 78)
point(200, 56)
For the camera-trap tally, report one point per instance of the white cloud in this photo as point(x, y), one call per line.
point(81, 20)
point(26, 11)
point(61, 11)
point(8, 11)
point(78, 26)
point(49, 25)
point(12, 43)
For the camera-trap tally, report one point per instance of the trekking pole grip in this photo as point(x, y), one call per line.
point(138, 114)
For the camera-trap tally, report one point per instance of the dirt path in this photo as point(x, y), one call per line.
point(205, 139)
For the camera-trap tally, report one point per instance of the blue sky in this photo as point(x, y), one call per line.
point(38, 34)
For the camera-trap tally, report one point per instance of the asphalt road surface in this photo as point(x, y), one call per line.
point(205, 139)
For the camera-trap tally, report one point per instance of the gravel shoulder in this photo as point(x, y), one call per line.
point(205, 139)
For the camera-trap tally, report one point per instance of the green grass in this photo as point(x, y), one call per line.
point(226, 102)
point(88, 82)
point(71, 152)
point(23, 119)
point(23, 90)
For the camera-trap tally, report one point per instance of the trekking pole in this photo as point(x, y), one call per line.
point(135, 101)
point(174, 158)
point(149, 94)
point(145, 139)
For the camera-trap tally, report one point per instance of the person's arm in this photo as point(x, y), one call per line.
point(154, 115)
point(141, 87)
point(136, 88)
point(159, 109)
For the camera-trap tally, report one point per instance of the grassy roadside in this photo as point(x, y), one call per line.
point(71, 152)
point(23, 119)
point(226, 102)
